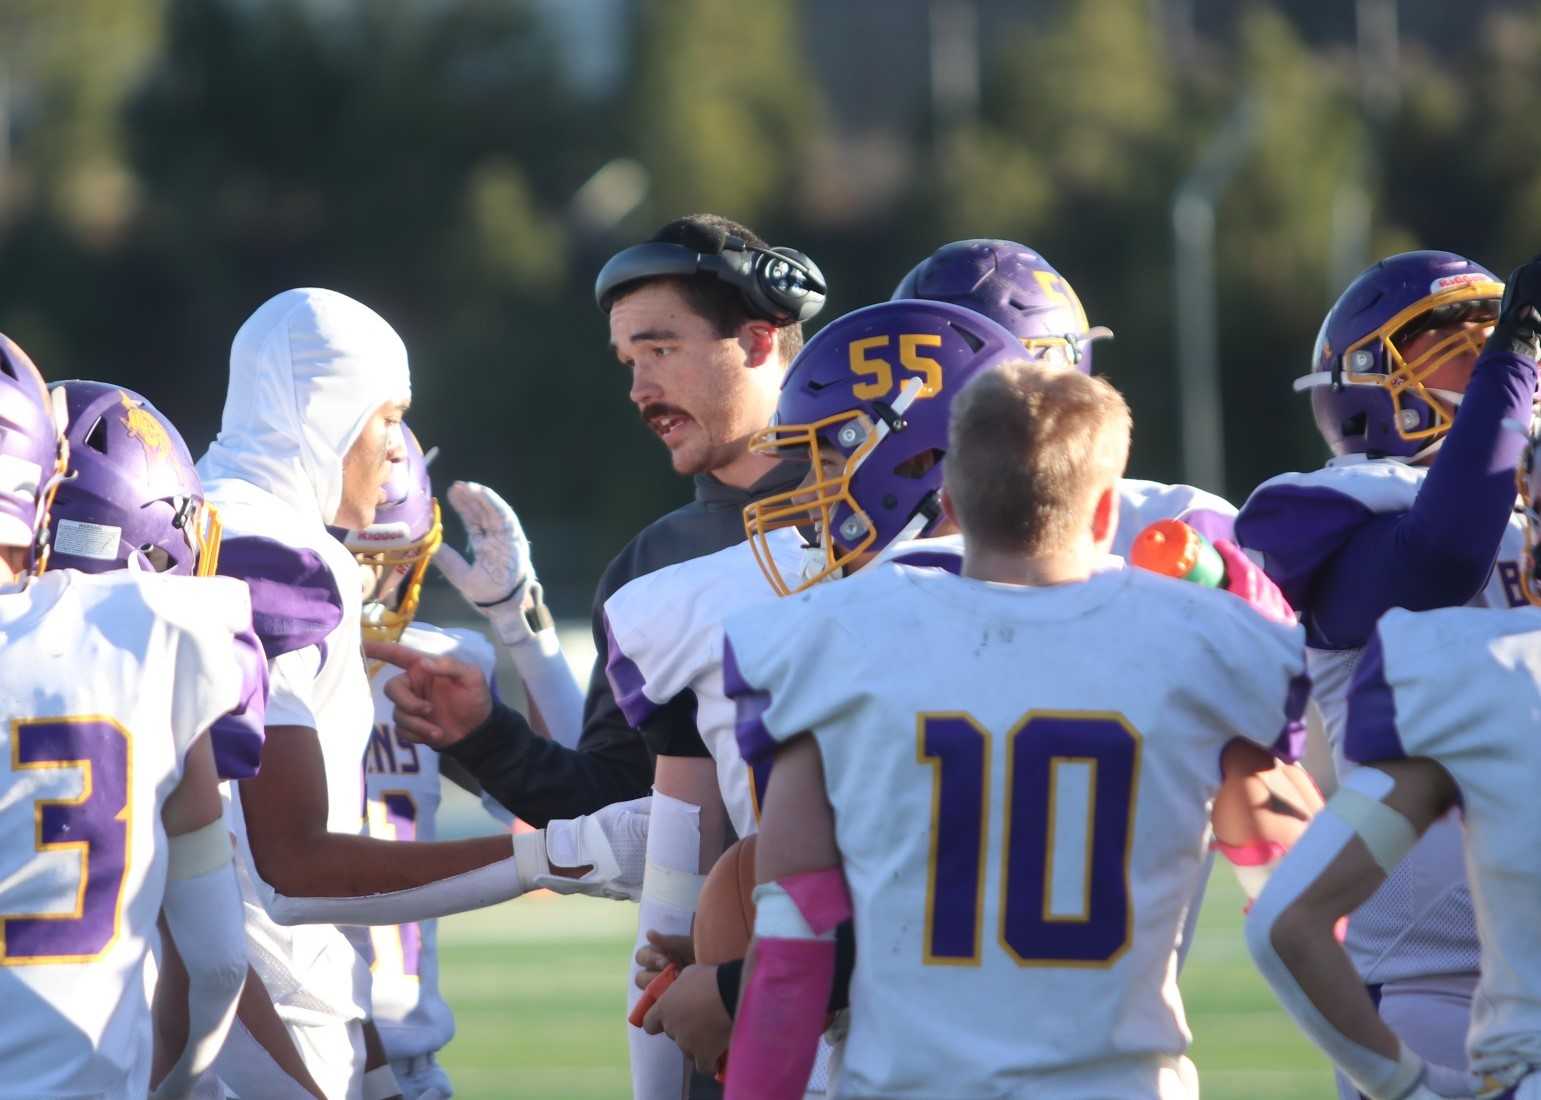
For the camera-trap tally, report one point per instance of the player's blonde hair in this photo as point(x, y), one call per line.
point(1030, 446)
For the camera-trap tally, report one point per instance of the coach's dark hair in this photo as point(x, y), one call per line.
point(706, 295)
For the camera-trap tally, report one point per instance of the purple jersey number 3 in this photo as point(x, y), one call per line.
point(1071, 780)
point(95, 825)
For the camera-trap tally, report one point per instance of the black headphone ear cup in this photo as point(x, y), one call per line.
point(787, 287)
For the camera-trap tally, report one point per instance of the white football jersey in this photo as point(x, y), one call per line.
point(666, 627)
point(402, 783)
point(106, 683)
point(1463, 687)
point(666, 639)
point(1420, 922)
point(1057, 751)
point(312, 972)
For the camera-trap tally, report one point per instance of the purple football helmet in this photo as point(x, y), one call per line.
point(132, 498)
point(1366, 397)
point(399, 544)
point(33, 454)
point(1014, 287)
point(865, 404)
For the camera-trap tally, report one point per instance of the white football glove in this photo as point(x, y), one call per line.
point(501, 573)
point(612, 841)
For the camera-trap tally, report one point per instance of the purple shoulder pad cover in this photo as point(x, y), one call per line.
point(1370, 734)
point(237, 736)
point(1298, 529)
point(626, 682)
point(754, 740)
point(294, 598)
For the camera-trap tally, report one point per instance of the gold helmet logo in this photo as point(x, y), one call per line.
point(145, 428)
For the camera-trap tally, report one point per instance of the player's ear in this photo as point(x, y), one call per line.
point(758, 339)
point(1105, 515)
point(949, 512)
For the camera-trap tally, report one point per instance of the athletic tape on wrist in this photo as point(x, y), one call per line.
point(530, 858)
point(1385, 832)
point(380, 1084)
point(680, 889)
point(200, 851)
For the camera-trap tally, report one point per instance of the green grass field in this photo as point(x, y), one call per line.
point(538, 987)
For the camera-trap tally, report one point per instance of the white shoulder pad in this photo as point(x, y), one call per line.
point(1380, 484)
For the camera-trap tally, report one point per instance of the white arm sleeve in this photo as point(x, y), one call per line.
point(550, 684)
point(487, 885)
point(1373, 1074)
point(670, 885)
point(291, 682)
point(203, 912)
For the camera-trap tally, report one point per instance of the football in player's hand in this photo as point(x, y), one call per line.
point(725, 910)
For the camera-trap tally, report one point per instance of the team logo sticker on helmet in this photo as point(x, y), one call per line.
point(144, 427)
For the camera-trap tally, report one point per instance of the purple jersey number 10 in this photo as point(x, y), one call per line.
point(1071, 780)
point(95, 825)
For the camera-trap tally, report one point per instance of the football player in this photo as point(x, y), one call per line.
point(1442, 713)
point(1415, 370)
point(110, 684)
point(132, 500)
point(310, 432)
point(1073, 724)
point(401, 778)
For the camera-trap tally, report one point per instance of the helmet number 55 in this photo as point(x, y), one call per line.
point(881, 372)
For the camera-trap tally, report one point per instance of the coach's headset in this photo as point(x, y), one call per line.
point(779, 285)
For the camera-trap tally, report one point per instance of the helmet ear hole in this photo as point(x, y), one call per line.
point(158, 557)
point(96, 438)
point(919, 465)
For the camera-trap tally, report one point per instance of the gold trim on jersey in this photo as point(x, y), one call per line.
point(125, 814)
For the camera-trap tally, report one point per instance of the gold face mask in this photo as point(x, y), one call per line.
point(205, 532)
point(383, 623)
point(1406, 376)
point(812, 505)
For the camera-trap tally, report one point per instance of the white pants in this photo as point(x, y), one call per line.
point(1430, 1015)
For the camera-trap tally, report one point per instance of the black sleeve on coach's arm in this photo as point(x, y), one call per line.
point(672, 730)
point(539, 780)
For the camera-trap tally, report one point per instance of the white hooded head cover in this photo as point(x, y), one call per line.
point(307, 371)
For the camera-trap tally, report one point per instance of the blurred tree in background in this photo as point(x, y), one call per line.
point(465, 166)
